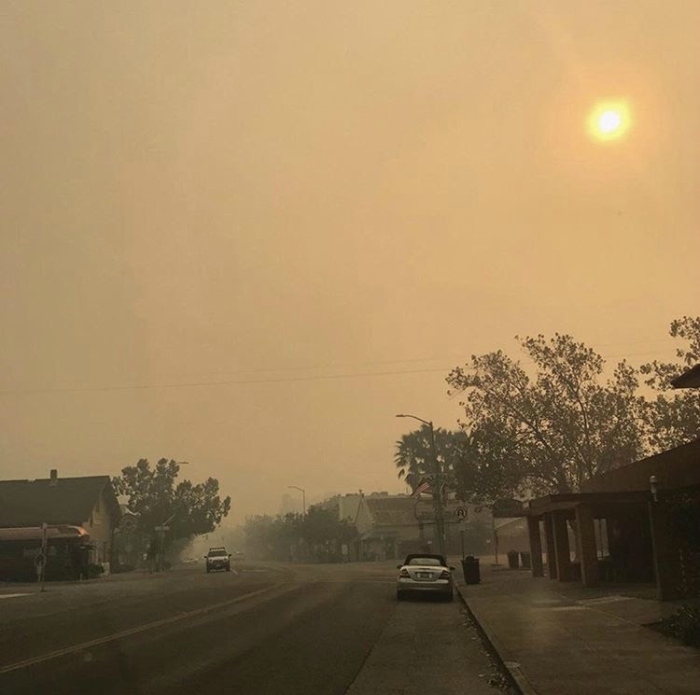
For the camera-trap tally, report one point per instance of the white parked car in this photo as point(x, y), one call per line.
point(424, 573)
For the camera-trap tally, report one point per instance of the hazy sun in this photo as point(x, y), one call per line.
point(609, 121)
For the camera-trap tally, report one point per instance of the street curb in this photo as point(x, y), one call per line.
point(510, 667)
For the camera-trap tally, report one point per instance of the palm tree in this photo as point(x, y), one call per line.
point(414, 457)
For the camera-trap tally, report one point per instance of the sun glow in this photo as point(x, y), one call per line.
point(609, 121)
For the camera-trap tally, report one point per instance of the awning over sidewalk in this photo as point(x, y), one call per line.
point(578, 522)
point(35, 533)
point(569, 501)
point(622, 525)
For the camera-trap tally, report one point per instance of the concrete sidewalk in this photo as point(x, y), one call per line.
point(426, 646)
point(558, 639)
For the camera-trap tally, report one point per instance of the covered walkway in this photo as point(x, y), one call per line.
point(592, 537)
point(623, 526)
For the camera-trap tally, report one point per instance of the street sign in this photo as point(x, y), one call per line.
point(461, 512)
point(507, 509)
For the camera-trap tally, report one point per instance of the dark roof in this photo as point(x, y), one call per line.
point(391, 511)
point(675, 468)
point(571, 500)
point(688, 380)
point(70, 501)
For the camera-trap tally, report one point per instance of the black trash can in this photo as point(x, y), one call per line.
point(513, 560)
point(470, 567)
point(525, 561)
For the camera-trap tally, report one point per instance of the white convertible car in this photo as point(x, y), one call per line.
point(426, 574)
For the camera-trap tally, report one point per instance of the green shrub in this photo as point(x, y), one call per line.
point(683, 625)
point(95, 571)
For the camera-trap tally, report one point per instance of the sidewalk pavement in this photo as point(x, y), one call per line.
point(426, 647)
point(561, 639)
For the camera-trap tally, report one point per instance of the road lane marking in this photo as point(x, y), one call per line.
point(12, 595)
point(136, 630)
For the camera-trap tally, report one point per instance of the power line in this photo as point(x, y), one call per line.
point(336, 365)
point(271, 380)
point(226, 382)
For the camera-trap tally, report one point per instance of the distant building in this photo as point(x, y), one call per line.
point(290, 505)
point(345, 506)
point(510, 534)
point(348, 506)
point(391, 526)
point(86, 502)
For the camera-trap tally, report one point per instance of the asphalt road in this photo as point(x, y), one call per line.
point(321, 630)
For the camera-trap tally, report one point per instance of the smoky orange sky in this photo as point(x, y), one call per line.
point(282, 197)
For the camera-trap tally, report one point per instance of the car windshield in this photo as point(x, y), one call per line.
point(217, 553)
point(425, 561)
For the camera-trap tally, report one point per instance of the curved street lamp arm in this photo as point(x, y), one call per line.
point(415, 417)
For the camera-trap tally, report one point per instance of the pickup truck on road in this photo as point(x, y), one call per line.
point(218, 559)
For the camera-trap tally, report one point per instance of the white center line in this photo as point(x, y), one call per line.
point(135, 630)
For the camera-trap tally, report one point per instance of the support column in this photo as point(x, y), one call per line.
point(667, 568)
point(562, 552)
point(533, 529)
point(551, 554)
point(587, 548)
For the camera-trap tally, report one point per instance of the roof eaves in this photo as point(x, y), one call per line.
point(690, 379)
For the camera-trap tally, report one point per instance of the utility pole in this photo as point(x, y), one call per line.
point(495, 537)
point(302, 542)
point(44, 555)
point(436, 487)
point(162, 529)
point(437, 496)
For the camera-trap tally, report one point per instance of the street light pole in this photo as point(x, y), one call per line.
point(303, 495)
point(437, 487)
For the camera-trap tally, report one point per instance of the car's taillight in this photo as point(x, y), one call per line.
point(404, 573)
point(444, 574)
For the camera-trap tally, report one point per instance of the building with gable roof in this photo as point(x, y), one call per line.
point(87, 502)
